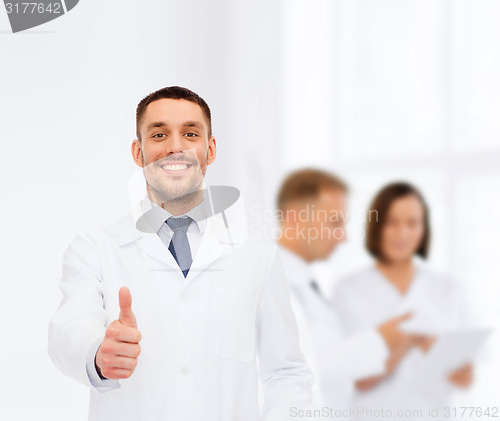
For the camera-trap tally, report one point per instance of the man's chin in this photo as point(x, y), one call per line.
point(177, 195)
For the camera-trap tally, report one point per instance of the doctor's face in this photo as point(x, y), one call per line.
point(403, 230)
point(329, 223)
point(174, 149)
point(315, 227)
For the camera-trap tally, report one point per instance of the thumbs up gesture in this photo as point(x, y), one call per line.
point(116, 357)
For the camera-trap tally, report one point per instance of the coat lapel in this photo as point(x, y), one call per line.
point(211, 248)
point(152, 245)
point(216, 241)
point(136, 229)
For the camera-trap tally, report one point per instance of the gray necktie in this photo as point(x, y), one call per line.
point(179, 245)
point(314, 285)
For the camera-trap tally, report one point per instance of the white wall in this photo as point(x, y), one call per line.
point(388, 90)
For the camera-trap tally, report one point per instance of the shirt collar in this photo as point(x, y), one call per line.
point(298, 272)
point(156, 215)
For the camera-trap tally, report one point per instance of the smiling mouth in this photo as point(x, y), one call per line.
point(176, 168)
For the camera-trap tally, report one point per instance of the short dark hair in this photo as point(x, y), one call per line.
point(307, 183)
point(381, 204)
point(172, 92)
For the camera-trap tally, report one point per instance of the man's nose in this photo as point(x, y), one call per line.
point(176, 144)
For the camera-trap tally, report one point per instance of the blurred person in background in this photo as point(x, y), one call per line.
point(397, 231)
point(312, 206)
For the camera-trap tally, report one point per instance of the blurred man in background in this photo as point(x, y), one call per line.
point(312, 206)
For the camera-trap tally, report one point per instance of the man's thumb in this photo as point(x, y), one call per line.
point(127, 317)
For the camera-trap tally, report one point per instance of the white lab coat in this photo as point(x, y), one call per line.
point(336, 359)
point(200, 334)
point(366, 299)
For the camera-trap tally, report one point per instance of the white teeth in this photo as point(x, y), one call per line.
point(175, 167)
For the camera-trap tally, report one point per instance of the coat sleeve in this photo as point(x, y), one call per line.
point(79, 324)
point(353, 357)
point(286, 378)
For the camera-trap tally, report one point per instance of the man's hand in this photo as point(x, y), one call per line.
point(116, 357)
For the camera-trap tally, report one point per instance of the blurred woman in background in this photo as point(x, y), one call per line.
point(397, 232)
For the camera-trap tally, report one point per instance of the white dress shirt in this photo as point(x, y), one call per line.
point(367, 298)
point(207, 339)
point(336, 359)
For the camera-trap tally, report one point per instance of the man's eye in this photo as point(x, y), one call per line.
point(191, 134)
point(159, 135)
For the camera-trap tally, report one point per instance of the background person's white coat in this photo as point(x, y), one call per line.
point(337, 358)
point(367, 298)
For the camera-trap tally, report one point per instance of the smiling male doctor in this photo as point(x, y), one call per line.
point(206, 300)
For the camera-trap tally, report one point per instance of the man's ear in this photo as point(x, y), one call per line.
point(212, 150)
point(136, 152)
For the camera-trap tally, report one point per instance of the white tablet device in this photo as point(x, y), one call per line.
point(452, 350)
